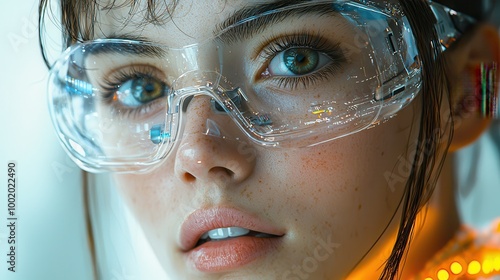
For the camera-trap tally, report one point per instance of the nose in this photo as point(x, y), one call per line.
point(209, 152)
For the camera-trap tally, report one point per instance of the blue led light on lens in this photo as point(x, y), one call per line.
point(157, 134)
point(78, 87)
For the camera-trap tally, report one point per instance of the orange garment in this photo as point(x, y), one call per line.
point(471, 254)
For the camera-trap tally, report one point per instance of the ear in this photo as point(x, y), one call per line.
point(481, 45)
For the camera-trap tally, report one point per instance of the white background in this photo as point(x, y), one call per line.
point(51, 241)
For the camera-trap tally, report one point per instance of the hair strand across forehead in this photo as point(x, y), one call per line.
point(78, 19)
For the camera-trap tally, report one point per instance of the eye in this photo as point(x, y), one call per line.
point(297, 62)
point(140, 90)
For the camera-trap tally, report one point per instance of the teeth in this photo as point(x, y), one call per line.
point(204, 236)
point(221, 233)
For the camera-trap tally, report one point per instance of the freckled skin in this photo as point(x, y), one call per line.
point(334, 190)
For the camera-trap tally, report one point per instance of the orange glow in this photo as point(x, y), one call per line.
point(474, 268)
point(487, 266)
point(456, 268)
point(443, 274)
point(496, 263)
point(471, 261)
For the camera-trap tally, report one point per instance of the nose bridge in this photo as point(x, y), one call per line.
point(209, 147)
point(197, 94)
point(200, 71)
point(201, 117)
point(197, 111)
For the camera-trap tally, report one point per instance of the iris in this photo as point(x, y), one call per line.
point(301, 61)
point(146, 89)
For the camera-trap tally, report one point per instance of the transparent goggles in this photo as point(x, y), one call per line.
point(293, 77)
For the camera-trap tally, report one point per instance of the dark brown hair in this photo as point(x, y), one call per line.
point(433, 137)
point(435, 134)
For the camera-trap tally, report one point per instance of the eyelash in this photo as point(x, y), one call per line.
point(111, 83)
point(274, 46)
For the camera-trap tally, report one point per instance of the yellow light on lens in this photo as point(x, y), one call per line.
point(496, 263)
point(443, 274)
point(456, 268)
point(428, 278)
point(474, 268)
point(487, 266)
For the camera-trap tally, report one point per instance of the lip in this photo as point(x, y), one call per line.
point(227, 254)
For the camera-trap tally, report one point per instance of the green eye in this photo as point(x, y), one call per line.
point(147, 89)
point(297, 62)
point(301, 61)
point(141, 90)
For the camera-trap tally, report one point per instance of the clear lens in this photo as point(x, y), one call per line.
point(294, 77)
point(103, 114)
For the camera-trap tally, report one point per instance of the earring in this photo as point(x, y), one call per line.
point(486, 90)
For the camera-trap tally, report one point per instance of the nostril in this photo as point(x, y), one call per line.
point(188, 177)
point(222, 171)
point(217, 171)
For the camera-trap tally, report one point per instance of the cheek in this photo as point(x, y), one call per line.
point(157, 208)
point(348, 190)
point(363, 166)
point(353, 179)
point(150, 197)
point(345, 191)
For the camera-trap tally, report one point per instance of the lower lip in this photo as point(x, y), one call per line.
point(224, 255)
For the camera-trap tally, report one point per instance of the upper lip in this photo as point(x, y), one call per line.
point(204, 220)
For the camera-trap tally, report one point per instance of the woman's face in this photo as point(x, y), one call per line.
point(312, 212)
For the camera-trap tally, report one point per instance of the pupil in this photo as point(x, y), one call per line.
point(300, 58)
point(301, 61)
point(145, 90)
point(149, 87)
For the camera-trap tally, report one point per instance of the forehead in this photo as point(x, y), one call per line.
point(186, 21)
point(174, 19)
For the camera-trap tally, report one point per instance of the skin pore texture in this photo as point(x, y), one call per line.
point(337, 193)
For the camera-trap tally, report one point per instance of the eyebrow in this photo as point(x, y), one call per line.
point(265, 15)
point(144, 48)
point(235, 28)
